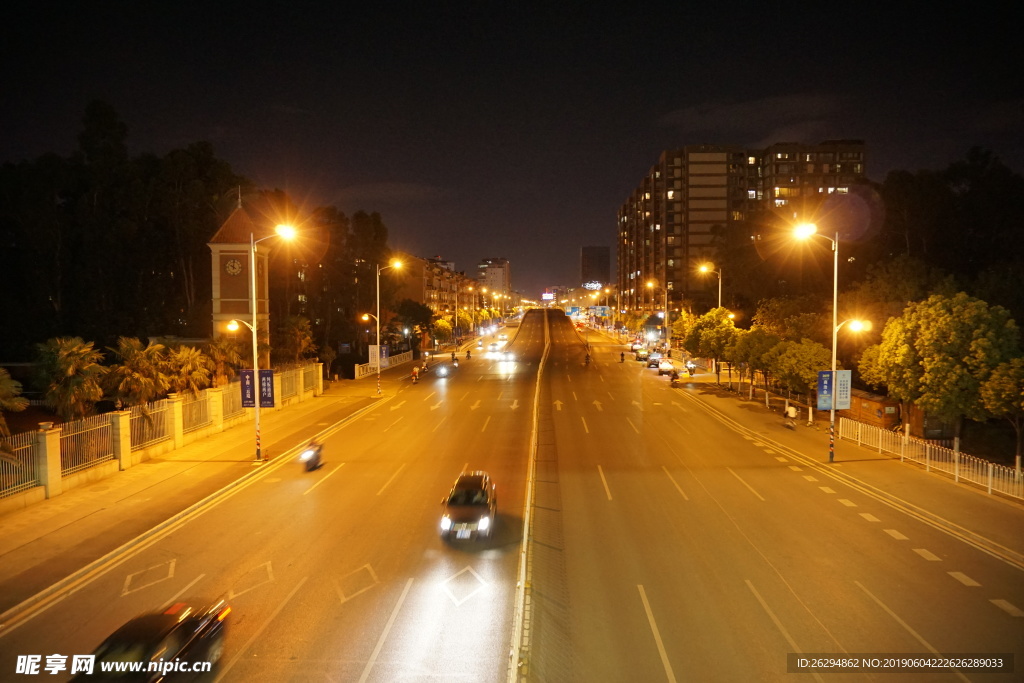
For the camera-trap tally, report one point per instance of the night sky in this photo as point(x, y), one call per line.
point(491, 129)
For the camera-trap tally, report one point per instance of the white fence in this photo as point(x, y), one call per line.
point(85, 443)
point(990, 476)
point(18, 473)
point(367, 369)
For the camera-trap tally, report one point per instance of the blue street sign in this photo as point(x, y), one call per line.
point(266, 388)
point(824, 390)
point(248, 388)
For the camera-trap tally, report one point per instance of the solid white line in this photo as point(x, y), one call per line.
point(384, 634)
point(681, 492)
point(485, 423)
point(657, 636)
point(323, 479)
point(605, 482)
point(744, 483)
point(391, 479)
point(222, 674)
point(439, 424)
point(777, 622)
point(904, 624)
point(632, 425)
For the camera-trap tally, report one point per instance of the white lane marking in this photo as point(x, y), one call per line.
point(847, 503)
point(744, 483)
point(574, 396)
point(632, 425)
point(657, 636)
point(826, 489)
point(796, 468)
point(222, 674)
point(384, 634)
point(604, 482)
point(186, 591)
point(441, 422)
point(895, 534)
point(778, 623)
point(869, 517)
point(485, 423)
point(778, 457)
point(928, 555)
point(1008, 607)
point(964, 579)
point(906, 626)
point(427, 397)
point(388, 483)
point(672, 479)
point(392, 424)
point(681, 425)
point(810, 478)
point(585, 428)
point(323, 479)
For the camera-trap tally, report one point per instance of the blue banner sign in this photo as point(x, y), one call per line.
point(841, 387)
point(248, 382)
point(824, 390)
point(266, 388)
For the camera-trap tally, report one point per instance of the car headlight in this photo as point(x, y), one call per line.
point(446, 523)
point(485, 522)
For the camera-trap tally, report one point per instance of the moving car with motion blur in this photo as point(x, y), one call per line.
point(177, 642)
point(470, 508)
point(665, 366)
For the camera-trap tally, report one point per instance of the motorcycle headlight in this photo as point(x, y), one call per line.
point(306, 455)
point(446, 523)
point(485, 522)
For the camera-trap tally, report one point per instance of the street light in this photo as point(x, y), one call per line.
point(710, 268)
point(286, 232)
point(395, 263)
point(805, 231)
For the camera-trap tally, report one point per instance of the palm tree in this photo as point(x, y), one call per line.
point(189, 370)
point(138, 379)
point(226, 354)
point(12, 402)
point(296, 338)
point(71, 371)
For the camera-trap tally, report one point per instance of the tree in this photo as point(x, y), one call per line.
point(940, 352)
point(442, 330)
point(752, 348)
point(70, 370)
point(1003, 396)
point(189, 370)
point(10, 402)
point(796, 364)
point(710, 335)
point(139, 377)
point(295, 338)
point(226, 354)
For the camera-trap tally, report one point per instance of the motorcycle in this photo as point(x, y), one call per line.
point(310, 457)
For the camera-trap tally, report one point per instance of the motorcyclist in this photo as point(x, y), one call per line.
point(622, 356)
point(468, 356)
point(453, 356)
point(586, 360)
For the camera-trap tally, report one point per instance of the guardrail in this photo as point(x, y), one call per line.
point(991, 476)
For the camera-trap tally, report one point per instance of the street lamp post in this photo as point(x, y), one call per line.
point(394, 264)
point(287, 232)
point(710, 268)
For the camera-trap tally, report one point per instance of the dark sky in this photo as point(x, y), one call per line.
point(483, 129)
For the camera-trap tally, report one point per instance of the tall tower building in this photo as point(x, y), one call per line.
point(595, 265)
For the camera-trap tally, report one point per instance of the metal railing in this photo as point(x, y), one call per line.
point(232, 397)
point(962, 467)
point(149, 425)
point(289, 383)
point(195, 412)
point(309, 378)
point(85, 443)
point(18, 472)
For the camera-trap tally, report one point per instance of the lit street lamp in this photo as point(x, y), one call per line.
point(805, 231)
point(286, 232)
point(710, 268)
point(394, 264)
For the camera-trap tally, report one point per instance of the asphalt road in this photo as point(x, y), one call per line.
point(672, 537)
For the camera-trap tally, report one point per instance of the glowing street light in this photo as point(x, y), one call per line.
point(286, 232)
point(710, 268)
point(395, 263)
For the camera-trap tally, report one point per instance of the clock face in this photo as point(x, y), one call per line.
point(233, 267)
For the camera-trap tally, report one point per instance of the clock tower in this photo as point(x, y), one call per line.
point(232, 276)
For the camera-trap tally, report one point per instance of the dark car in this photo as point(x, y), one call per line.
point(470, 508)
point(178, 641)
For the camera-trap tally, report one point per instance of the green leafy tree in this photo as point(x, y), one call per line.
point(70, 370)
point(751, 348)
point(940, 352)
point(796, 364)
point(710, 335)
point(295, 338)
point(138, 377)
point(442, 330)
point(792, 318)
point(226, 354)
point(1003, 396)
point(189, 370)
point(11, 401)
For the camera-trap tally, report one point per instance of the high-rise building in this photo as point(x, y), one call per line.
point(595, 265)
point(495, 274)
point(668, 225)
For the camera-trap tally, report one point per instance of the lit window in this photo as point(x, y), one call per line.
point(671, 194)
point(751, 194)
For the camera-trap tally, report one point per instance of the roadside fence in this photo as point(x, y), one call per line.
point(992, 477)
point(18, 473)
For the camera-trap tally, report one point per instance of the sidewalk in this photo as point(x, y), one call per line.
point(44, 543)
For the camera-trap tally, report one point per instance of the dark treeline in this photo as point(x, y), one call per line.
point(102, 245)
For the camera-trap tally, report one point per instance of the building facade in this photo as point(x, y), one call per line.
point(668, 226)
point(595, 265)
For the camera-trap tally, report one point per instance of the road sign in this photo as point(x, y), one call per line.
point(266, 388)
point(824, 390)
point(843, 381)
point(248, 382)
point(841, 386)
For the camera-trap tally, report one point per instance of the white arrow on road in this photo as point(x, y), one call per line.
point(436, 405)
point(398, 406)
point(558, 405)
point(597, 404)
point(515, 404)
point(637, 404)
point(475, 405)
